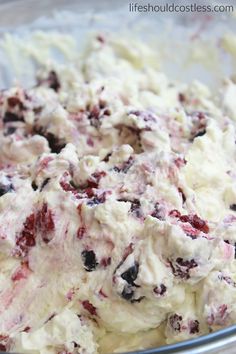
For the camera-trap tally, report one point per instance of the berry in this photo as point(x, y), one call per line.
point(127, 293)
point(130, 275)
point(160, 290)
point(182, 268)
point(194, 327)
point(89, 307)
point(12, 117)
point(53, 81)
point(175, 322)
point(4, 189)
point(26, 239)
point(89, 260)
point(233, 207)
point(196, 222)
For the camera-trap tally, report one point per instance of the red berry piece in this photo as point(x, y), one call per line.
point(89, 307)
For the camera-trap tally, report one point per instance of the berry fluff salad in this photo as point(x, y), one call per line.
point(117, 206)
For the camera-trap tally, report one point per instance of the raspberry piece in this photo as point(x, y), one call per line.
point(26, 239)
point(89, 307)
point(196, 222)
point(45, 223)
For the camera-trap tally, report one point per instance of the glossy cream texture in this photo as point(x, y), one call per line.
point(117, 207)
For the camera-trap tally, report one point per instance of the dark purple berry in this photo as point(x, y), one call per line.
point(194, 327)
point(127, 292)
point(89, 260)
point(130, 275)
point(175, 322)
point(160, 290)
point(233, 207)
point(34, 186)
point(182, 268)
point(200, 133)
point(5, 189)
point(12, 117)
point(53, 81)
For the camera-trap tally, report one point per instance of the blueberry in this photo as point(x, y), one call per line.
point(5, 189)
point(194, 327)
point(12, 117)
point(89, 259)
point(130, 275)
point(200, 133)
point(34, 186)
point(53, 81)
point(127, 292)
point(175, 322)
point(233, 207)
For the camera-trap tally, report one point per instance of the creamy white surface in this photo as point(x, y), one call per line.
point(124, 157)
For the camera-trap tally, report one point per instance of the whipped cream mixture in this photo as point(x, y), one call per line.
point(117, 206)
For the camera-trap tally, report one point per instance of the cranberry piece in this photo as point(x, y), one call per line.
point(180, 162)
point(233, 207)
point(89, 307)
point(196, 222)
point(3, 348)
point(160, 290)
point(105, 262)
point(194, 327)
point(45, 222)
point(175, 322)
point(93, 182)
point(175, 213)
point(135, 207)
point(26, 239)
point(89, 260)
point(130, 275)
point(15, 101)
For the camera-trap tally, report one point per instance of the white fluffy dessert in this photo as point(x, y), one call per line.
point(117, 207)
